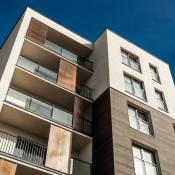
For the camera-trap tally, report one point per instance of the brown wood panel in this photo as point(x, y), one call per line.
point(59, 149)
point(7, 168)
point(79, 122)
point(37, 31)
point(67, 76)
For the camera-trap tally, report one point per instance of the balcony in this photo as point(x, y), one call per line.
point(50, 75)
point(35, 153)
point(47, 58)
point(138, 92)
point(22, 148)
point(48, 111)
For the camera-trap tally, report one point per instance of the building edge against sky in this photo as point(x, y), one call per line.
point(131, 90)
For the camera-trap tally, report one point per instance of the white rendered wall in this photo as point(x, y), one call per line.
point(116, 70)
point(99, 81)
point(11, 49)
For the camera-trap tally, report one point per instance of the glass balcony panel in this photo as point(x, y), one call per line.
point(53, 47)
point(151, 169)
point(37, 69)
point(81, 168)
point(144, 127)
point(69, 55)
point(27, 64)
point(62, 116)
point(133, 122)
point(46, 73)
point(17, 98)
point(139, 167)
point(39, 107)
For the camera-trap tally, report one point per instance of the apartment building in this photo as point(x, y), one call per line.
point(70, 106)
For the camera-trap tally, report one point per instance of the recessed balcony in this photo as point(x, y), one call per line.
point(48, 111)
point(50, 75)
point(50, 57)
point(35, 154)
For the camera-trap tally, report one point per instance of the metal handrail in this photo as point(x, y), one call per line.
point(84, 91)
point(22, 148)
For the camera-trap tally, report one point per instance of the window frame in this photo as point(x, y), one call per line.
point(147, 117)
point(142, 150)
point(131, 57)
point(162, 100)
point(132, 79)
point(156, 72)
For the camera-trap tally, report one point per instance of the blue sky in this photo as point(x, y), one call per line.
point(149, 24)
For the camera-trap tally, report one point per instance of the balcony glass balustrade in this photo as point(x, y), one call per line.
point(69, 55)
point(37, 106)
point(80, 167)
point(50, 75)
point(37, 69)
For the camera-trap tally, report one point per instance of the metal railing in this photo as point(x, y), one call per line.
point(50, 75)
point(69, 55)
point(84, 91)
point(140, 93)
point(39, 107)
point(22, 148)
point(83, 125)
point(86, 63)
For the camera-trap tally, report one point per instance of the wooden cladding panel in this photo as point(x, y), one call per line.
point(67, 76)
point(7, 168)
point(59, 149)
point(79, 121)
point(37, 31)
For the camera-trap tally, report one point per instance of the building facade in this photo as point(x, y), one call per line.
point(70, 106)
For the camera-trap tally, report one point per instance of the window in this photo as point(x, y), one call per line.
point(144, 161)
point(161, 100)
point(130, 60)
point(154, 74)
point(139, 120)
point(134, 87)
